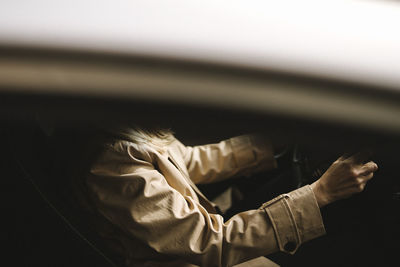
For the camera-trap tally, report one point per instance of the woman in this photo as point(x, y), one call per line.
point(143, 184)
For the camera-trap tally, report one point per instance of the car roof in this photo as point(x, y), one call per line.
point(315, 61)
point(355, 41)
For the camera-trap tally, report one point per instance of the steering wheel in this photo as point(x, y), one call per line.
point(296, 158)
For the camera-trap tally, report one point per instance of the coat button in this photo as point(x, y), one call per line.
point(290, 246)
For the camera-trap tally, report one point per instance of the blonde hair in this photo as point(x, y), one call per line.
point(143, 135)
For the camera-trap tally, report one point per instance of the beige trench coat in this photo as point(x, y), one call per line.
point(156, 216)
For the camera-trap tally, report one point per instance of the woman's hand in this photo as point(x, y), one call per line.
point(345, 177)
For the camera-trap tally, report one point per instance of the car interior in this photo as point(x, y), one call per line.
point(44, 135)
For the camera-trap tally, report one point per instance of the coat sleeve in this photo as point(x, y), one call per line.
point(134, 196)
point(240, 155)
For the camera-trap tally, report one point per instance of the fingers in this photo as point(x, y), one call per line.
point(357, 157)
point(365, 178)
point(360, 157)
point(361, 182)
point(368, 168)
point(345, 156)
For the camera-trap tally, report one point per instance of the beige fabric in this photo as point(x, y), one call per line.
point(156, 216)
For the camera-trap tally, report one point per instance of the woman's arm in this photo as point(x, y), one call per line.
point(240, 155)
point(133, 195)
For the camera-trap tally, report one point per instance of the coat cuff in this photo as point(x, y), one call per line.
point(295, 217)
point(253, 150)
